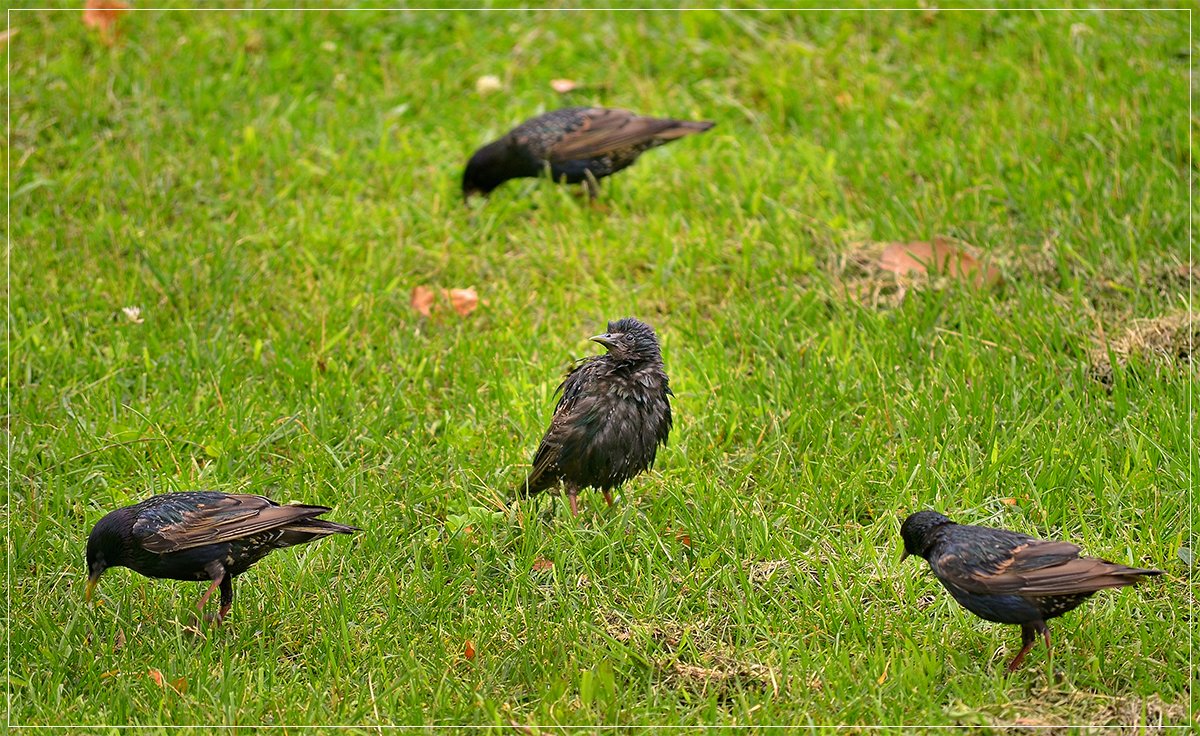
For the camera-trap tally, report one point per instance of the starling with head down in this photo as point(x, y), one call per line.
point(1011, 578)
point(201, 535)
point(578, 145)
point(613, 413)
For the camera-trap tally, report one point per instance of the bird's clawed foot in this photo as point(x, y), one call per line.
point(1028, 639)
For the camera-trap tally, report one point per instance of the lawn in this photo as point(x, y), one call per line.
point(217, 224)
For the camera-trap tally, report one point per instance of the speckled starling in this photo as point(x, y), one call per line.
point(1011, 578)
point(613, 413)
point(578, 145)
point(201, 535)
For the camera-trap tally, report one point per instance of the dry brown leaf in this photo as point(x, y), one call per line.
point(469, 650)
point(179, 684)
point(684, 538)
point(542, 563)
point(119, 641)
point(1009, 501)
point(5, 35)
point(102, 15)
point(157, 677)
point(563, 86)
point(938, 257)
point(464, 301)
point(422, 300)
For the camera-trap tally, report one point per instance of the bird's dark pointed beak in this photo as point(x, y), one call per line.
point(608, 340)
point(91, 587)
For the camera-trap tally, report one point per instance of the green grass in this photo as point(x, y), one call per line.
point(269, 186)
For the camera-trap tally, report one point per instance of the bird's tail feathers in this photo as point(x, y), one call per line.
point(320, 527)
point(680, 128)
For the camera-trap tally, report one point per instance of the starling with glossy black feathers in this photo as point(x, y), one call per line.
point(1011, 578)
point(578, 145)
point(201, 535)
point(613, 413)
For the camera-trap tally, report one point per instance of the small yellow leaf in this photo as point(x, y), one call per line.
point(488, 83)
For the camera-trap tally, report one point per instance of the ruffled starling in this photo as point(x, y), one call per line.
point(578, 145)
point(1011, 578)
point(201, 535)
point(612, 415)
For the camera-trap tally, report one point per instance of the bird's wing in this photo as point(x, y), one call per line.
point(603, 131)
point(570, 390)
point(1034, 567)
point(228, 517)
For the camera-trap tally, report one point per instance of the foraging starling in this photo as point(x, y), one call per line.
point(201, 535)
point(578, 145)
point(1011, 578)
point(610, 419)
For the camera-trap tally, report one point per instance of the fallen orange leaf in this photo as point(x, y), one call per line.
point(102, 15)
point(1009, 501)
point(179, 684)
point(464, 301)
point(542, 563)
point(422, 300)
point(939, 256)
point(563, 86)
point(469, 650)
point(684, 538)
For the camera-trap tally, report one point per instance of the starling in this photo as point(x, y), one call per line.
point(612, 415)
point(201, 535)
point(578, 145)
point(1011, 578)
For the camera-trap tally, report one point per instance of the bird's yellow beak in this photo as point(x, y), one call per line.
point(91, 588)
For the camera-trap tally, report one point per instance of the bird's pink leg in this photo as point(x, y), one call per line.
point(574, 499)
point(220, 579)
point(208, 593)
point(1028, 638)
point(608, 498)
